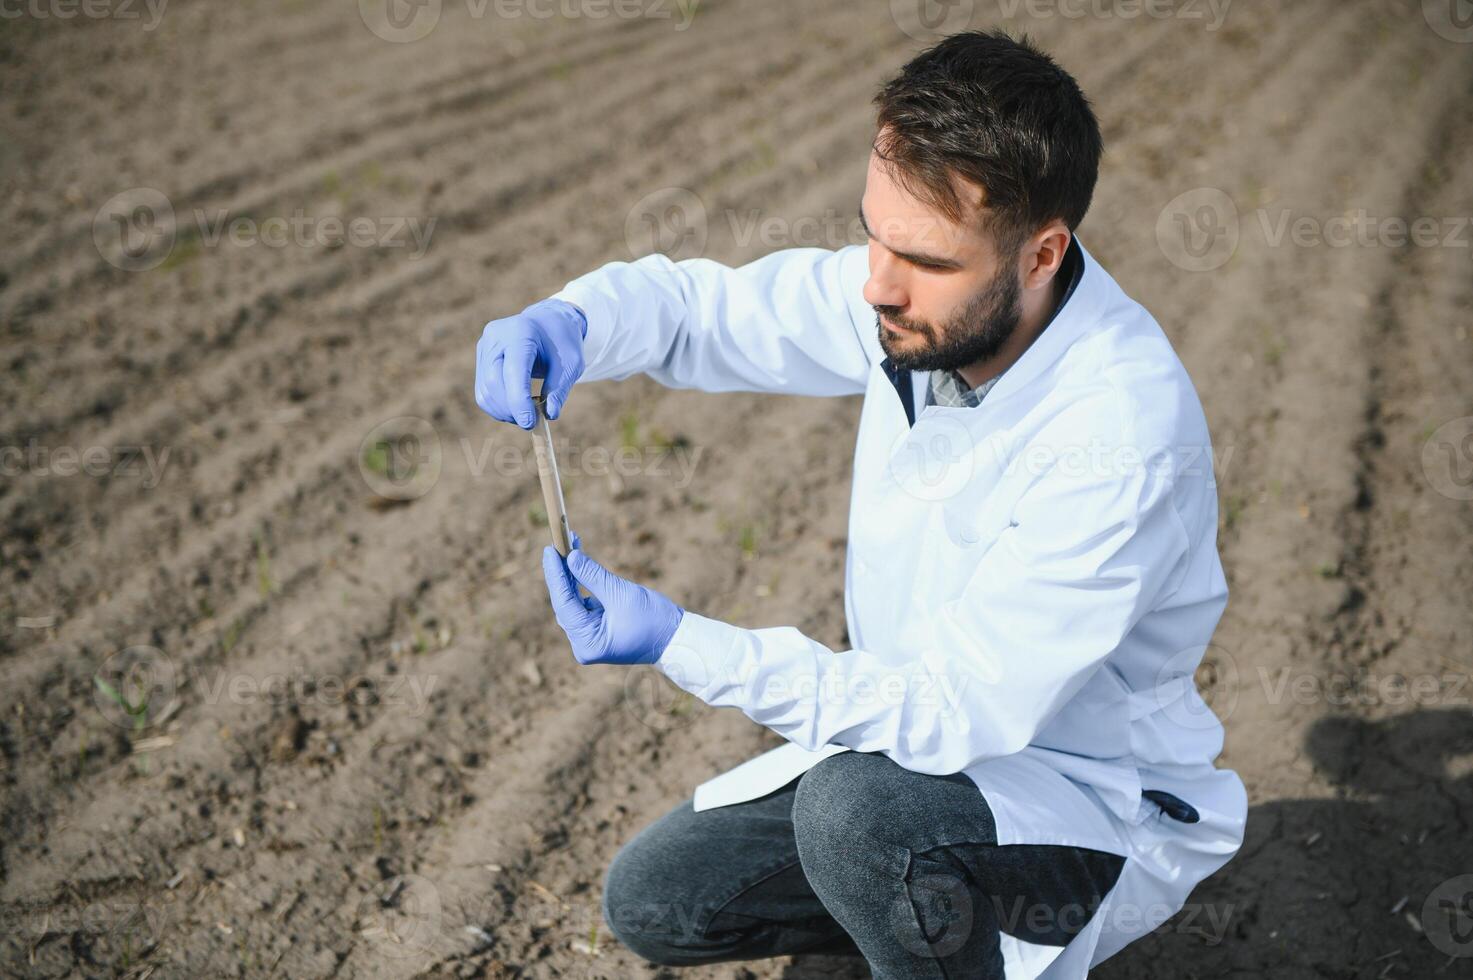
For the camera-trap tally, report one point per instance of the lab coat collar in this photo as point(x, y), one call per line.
point(1071, 321)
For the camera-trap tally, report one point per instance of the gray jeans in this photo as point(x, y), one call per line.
point(857, 856)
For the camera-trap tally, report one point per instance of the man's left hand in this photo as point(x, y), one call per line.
point(620, 623)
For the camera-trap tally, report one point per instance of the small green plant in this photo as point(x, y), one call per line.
point(1273, 351)
point(629, 431)
point(1232, 511)
point(231, 636)
point(376, 457)
point(136, 710)
point(747, 541)
point(263, 567)
point(182, 252)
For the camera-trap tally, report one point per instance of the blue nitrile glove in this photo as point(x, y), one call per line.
point(543, 341)
point(621, 623)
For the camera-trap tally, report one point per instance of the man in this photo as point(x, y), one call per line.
point(1011, 773)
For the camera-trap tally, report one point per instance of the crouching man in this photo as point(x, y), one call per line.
point(1011, 773)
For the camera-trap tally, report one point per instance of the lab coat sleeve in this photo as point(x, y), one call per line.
point(1046, 605)
point(780, 324)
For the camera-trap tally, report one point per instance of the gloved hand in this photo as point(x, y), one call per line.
point(621, 623)
point(543, 341)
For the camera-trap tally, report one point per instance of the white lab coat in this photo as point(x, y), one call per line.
point(1030, 583)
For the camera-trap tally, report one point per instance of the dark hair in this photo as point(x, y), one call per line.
point(1000, 113)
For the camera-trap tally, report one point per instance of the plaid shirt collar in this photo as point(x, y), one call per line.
point(949, 390)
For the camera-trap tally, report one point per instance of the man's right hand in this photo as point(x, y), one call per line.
point(543, 341)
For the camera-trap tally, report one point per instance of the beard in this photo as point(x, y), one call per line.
point(975, 333)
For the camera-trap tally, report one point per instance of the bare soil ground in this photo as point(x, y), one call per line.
point(368, 752)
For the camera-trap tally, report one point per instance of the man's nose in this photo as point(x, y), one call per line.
point(884, 286)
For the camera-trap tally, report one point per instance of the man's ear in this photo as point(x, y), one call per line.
point(1044, 254)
